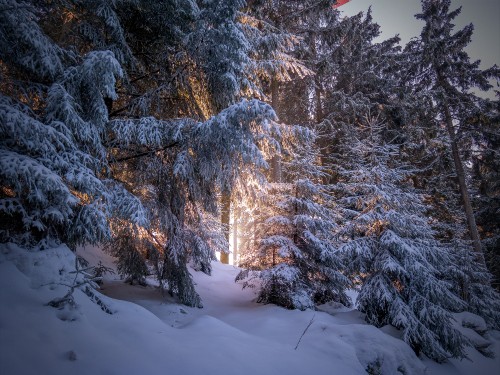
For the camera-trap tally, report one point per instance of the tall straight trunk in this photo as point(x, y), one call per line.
point(323, 142)
point(319, 104)
point(276, 160)
point(235, 235)
point(225, 215)
point(318, 87)
point(469, 213)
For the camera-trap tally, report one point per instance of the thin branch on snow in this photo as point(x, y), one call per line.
point(305, 330)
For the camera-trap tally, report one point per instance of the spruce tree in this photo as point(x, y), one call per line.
point(53, 117)
point(443, 73)
point(69, 174)
point(390, 247)
point(290, 250)
point(441, 66)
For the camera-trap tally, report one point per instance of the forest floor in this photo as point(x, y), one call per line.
point(150, 333)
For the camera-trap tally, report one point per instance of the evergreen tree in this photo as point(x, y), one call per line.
point(179, 181)
point(280, 37)
point(391, 248)
point(442, 70)
point(290, 250)
point(485, 176)
point(441, 66)
point(62, 161)
point(358, 76)
point(53, 116)
point(221, 48)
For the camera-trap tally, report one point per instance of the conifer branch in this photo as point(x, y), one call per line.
point(145, 153)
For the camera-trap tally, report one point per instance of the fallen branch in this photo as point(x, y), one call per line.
point(305, 330)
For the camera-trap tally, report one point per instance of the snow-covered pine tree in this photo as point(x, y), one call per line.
point(130, 249)
point(273, 43)
point(191, 161)
point(182, 71)
point(283, 32)
point(472, 281)
point(220, 47)
point(390, 247)
point(441, 66)
point(486, 175)
point(53, 113)
point(457, 123)
point(357, 75)
point(289, 251)
point(163, 69)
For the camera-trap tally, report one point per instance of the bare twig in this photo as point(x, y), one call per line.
point(305, 330)
point(146, 153)
point(89, 281)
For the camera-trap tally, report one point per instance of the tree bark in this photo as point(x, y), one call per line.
point(323, 143)
point(235, 235)
point(469, 213)
point(225, 215)
point(317, 84)
point(276, 160)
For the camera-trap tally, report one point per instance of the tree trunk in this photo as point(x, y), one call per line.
point(322, 142)
point(235, 235)
point(469, 213)
point(276, 160)
point(317, 85)
point(225, 214)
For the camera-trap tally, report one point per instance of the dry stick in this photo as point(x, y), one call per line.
point(177, 73)
point(303, 333)
point(145, 153)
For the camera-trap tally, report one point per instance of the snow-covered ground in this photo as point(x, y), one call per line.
point(149, 333)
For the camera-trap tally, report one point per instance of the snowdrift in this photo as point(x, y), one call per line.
point(149, 333)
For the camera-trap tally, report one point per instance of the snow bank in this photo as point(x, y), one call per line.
point(231, 335)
